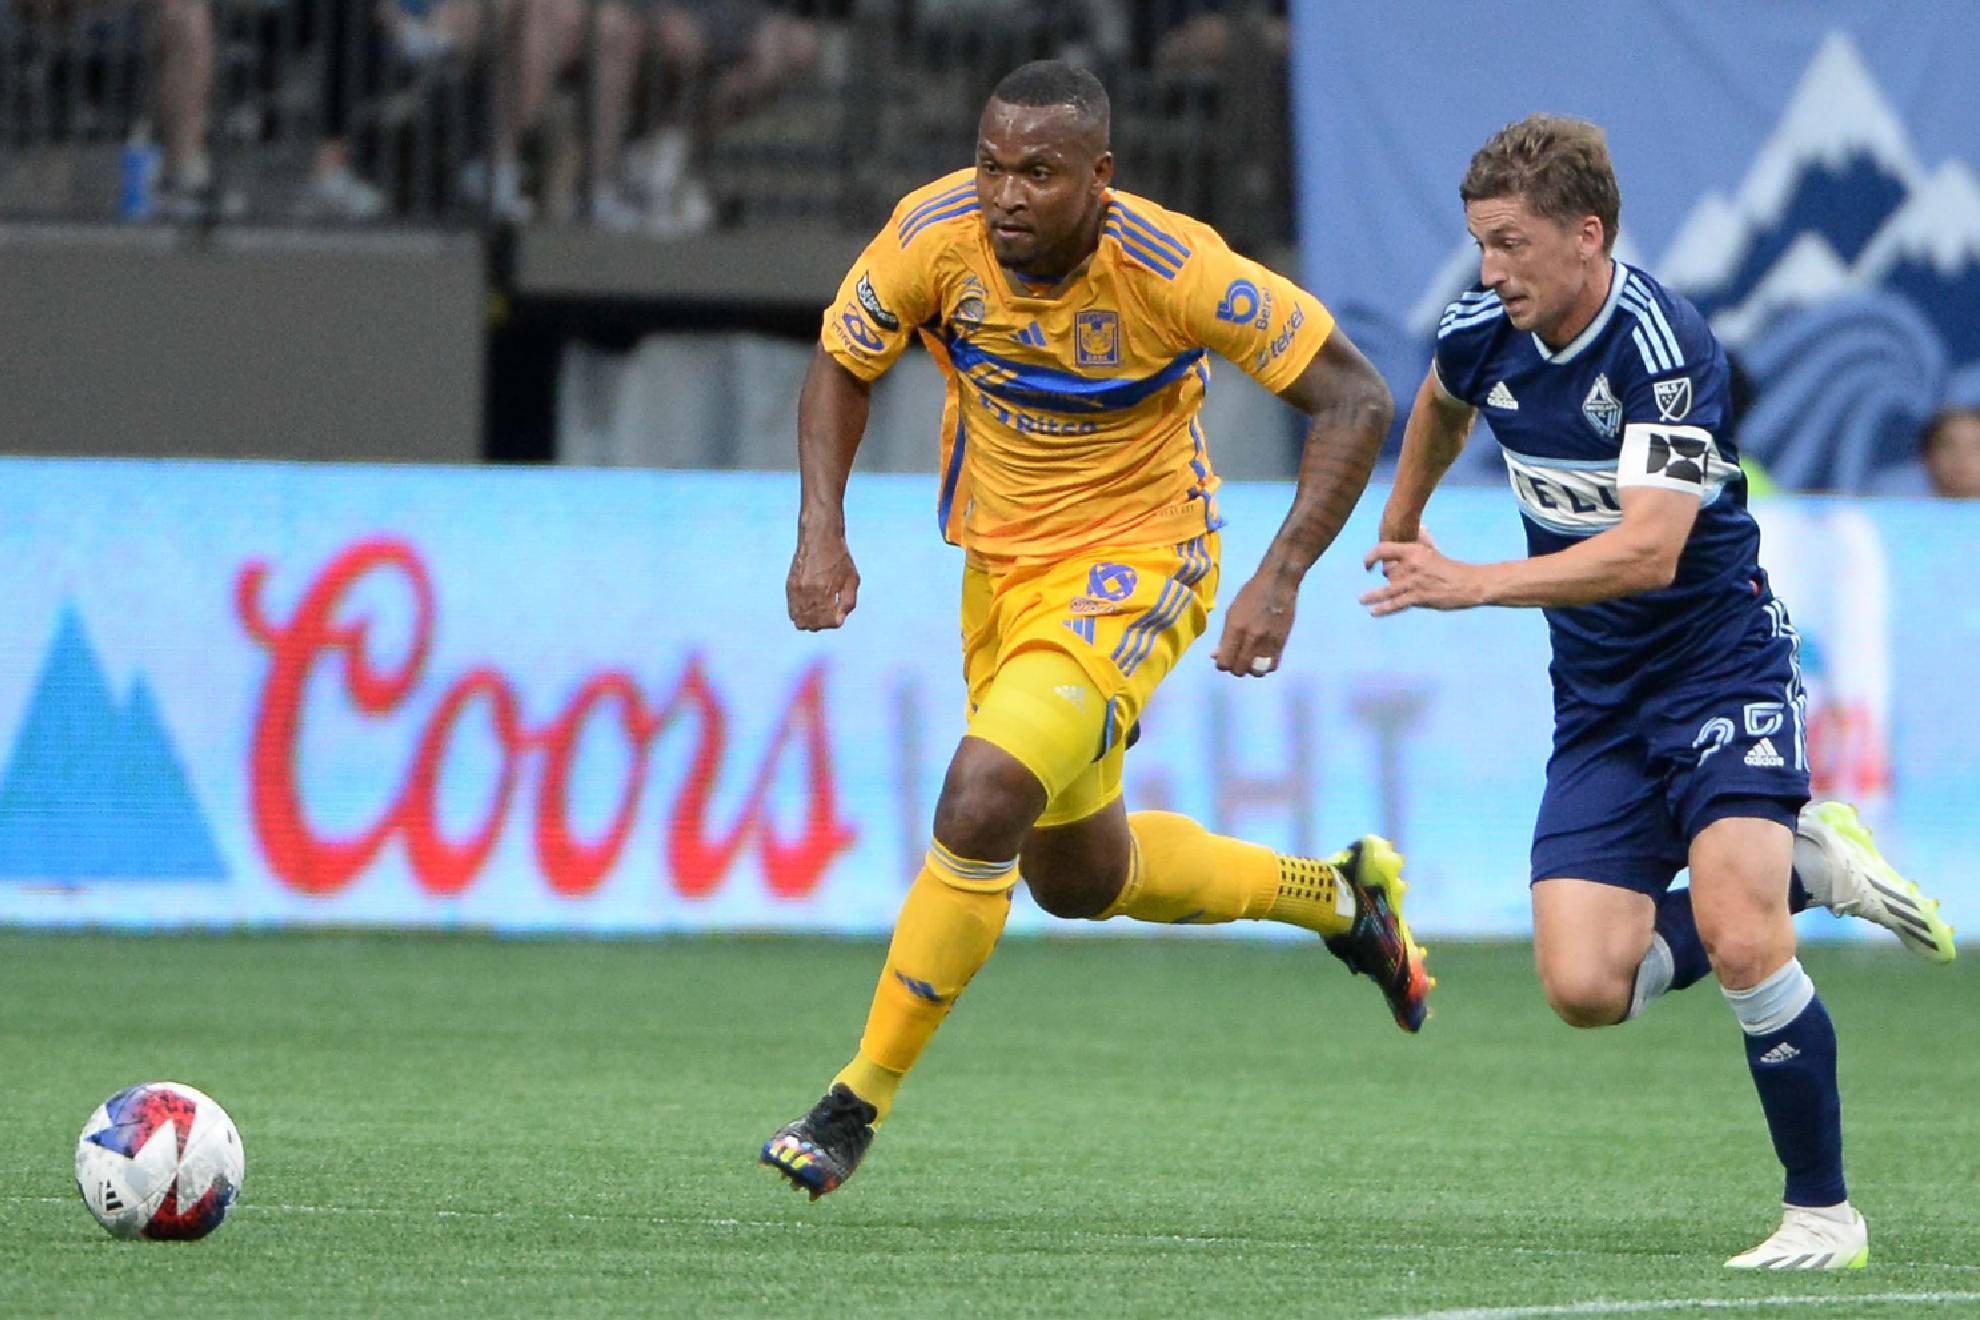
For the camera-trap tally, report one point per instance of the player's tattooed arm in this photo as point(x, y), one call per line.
point(823, 585)
point(1351, 412)
point(1433, 437)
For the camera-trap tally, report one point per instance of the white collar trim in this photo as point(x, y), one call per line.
point(1618, 275)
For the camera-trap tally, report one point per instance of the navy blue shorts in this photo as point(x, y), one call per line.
point(1629, 788)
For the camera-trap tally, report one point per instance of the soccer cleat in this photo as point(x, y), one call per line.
point(1860, 883)
point(821, 1150)
point(1811, 1240)
point(1378, 945)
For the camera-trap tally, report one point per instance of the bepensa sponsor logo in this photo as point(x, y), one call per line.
point(870, 300)
point(856, 334)
point(1244, 303)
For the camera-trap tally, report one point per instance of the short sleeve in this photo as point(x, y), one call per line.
point(1464, 333)
point(885, 295)
point(1257, 319)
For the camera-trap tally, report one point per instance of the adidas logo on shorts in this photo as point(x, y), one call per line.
point(1501, 397)
point(1781, 1053)
point(1763, 756)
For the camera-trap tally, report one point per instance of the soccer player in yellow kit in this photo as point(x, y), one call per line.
point(1072, 322)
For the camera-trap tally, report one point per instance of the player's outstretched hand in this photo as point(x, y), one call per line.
point(823, 586)
point(1255, 629)
point(1420, 577)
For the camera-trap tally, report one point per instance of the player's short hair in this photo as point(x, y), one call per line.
point(1055, 82)
point(1558, 166)
point(1942, 420)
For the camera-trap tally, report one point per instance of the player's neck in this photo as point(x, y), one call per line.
point(1586, 308)
point(1045, 279)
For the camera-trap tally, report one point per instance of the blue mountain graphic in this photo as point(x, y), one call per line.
point(1846, 207)
point(94, 792)
point(1948, 302)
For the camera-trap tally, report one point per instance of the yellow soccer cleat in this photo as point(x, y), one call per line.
point(1860, 883)
point(1378, 945)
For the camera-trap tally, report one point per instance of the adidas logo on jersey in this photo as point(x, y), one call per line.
point(1072, 692)
point(1501, 397)
point(1763, 756)
point(1781, 1053)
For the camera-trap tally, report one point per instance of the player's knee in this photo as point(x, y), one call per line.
point(1074, 894)
point(1746, 956)
point(1070, 897)
point(987, 805)
point(1585, 997)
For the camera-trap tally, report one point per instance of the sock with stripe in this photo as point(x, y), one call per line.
point(954, 912)
point(1181, 873)
point(1791, 1051)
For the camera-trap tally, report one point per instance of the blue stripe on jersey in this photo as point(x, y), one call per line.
point(1141, 252)
point(1162, 241)
point(1048, 387)
point(1639, 298)
point(950, 477)
point(1652, 360)
point(1571, 464)
point(948, 197)
point(964, 207)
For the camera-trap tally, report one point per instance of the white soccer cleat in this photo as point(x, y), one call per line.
point(1858, 882)
point(1812, 1240)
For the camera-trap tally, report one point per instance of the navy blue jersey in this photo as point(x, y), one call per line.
point(1641, 397)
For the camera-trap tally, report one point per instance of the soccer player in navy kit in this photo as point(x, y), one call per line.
point(1679, 714)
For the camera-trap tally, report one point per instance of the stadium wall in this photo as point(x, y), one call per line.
point(268, 694)
point(241, 343)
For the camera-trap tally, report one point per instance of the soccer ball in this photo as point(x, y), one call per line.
point(159, 1160)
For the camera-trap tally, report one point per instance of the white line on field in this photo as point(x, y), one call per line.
point(1687, 1304)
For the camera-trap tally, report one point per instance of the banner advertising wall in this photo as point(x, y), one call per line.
point(1805, 174)
point(559, 700)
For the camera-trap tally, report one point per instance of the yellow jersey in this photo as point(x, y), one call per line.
point(1072, 418)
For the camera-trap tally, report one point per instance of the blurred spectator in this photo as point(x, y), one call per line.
point(719, 62)
point(352, 55)
point(184, 42)
point(541, 41)
point(1206, 40)
point(1950, 449)
point(180, 47)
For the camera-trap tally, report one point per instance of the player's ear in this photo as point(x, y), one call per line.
point(1591, 233)
point(1103, 170)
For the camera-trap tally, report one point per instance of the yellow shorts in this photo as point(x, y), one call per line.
point(1123, 616)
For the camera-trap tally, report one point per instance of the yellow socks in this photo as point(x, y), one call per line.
point(949, 924)
point(1182, 873)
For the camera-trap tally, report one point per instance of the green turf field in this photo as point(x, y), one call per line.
point(1110, 1127)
